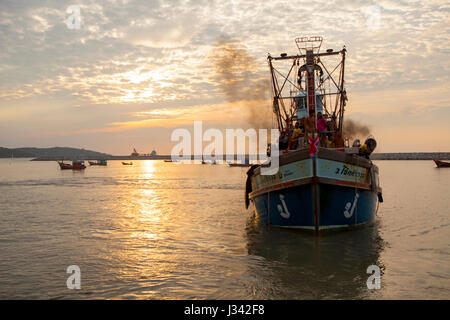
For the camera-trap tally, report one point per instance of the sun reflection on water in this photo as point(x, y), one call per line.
point(145, 249)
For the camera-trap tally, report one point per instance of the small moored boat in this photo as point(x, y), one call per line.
point(98, 163)
point(441, 164)
point(76, 165)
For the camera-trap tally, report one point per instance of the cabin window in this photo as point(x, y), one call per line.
point(300, 102)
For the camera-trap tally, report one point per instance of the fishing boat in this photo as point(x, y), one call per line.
point(98, 163)
point(127, 163)
point(317, 187)
point(441, 164)
point(76, 165)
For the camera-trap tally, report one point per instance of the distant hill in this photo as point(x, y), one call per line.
point(52, 153)
point(6, 153)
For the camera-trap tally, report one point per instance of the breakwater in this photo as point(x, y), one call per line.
point(374, 156)
point(411, 156)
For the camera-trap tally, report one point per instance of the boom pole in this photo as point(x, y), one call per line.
point(276, 107)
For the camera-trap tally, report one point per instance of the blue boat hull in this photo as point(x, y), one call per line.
point(318, 194)
point(295, 207)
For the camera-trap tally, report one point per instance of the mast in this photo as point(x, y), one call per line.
point(311, 71)
point(343, 95)
point(310, 83)
point(276, 107)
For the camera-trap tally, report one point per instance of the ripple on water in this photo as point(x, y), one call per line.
point(162, 231)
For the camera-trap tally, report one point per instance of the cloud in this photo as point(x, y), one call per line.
point(144, 55)
point(162, 33)
point(227, 114)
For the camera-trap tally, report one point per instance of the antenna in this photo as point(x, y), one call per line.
point(309, 43)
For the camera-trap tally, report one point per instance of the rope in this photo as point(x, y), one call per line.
point(356, 192)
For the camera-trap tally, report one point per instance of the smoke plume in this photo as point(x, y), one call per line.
point(353, 130)
point(236, 72)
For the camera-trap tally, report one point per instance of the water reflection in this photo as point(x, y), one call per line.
point(158, 230)
point(299, 265)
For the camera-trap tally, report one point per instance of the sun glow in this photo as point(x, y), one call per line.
point(148, 169)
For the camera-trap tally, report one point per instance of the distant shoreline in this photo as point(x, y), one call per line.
point(375, 156)
point(68, 153)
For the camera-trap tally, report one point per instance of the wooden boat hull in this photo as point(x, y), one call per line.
point(74, 166)
point(334, 190)
point(65, 166)
point(442, 164)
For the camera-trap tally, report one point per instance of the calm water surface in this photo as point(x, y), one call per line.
point(159, 230)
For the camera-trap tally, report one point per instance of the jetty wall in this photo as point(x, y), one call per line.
point(374, 156)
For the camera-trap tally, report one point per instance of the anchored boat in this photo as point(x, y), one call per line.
point(98, 163)
point(441, 164)
point(322, 183)
point(76, 165)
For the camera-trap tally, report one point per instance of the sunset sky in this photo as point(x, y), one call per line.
point(137, 69)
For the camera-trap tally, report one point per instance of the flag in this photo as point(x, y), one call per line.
point(313, 146)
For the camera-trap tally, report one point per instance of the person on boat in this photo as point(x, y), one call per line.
point(293, 140)
point(302, 124)
point(356, 143)
point(290, 131)
point(331, 144)
point(338, 140)
point(321, 123)
point(309, 125)
point(329, 140)
point(283, 141)
point(364, 151)
point(301, 139)
point(322, 129)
